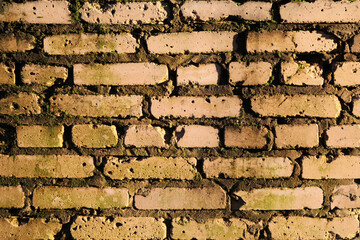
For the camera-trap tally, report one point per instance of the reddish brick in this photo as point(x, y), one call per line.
point(94, 136)
point(40, 136)
point(196, 136)
point(345, 73)
point(247, 74)
point(246, 137)
point(346, 196)
point(12, 197)
point(296, 136)
point(45, 75)
point(145, 136)
point(7, 74)
point(204, 74)
point(301, 73)
point(343, 136)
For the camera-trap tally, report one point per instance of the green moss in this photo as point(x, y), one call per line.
point(272, 202)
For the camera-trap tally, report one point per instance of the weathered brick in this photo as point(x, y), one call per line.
point(47, 12)
point(181, 198)
point(44, 75)
point(246, 137)
point(343, 136)
point(7, 74)
point(34, 228)
point(356, 107)
point(97, 105)
point(145, 136)
point(196, 106)
point(12, 43)
point(294, 136)
point(213, 228)
point(196, 136)
point(216, 10)
point(150, 168)
point(54, 166)
point(124, 13)
point(246, 74)
point(94, 136)
point(291, 41)
point(346, 73)
point(281, 199)
point(346, 196)
point(296, 227)
point(12, 197)
point(341, 167)
point(196, 42)
point(118, 228)
point(90, 197)
point(204, 74)
point(22, 103)
point(323, 106)
point(355, 44)
point(68, 44)
point(301, 73)
point(40, 136)
point(120, 74)
point(320, 11)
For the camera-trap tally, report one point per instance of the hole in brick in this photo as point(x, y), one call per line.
point(84, 164)
point(131, 170)
point(113, 12)
point(110, 172)
point(118, 224)
point(15, 106)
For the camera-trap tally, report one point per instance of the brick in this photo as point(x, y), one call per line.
point(12, 197)
point(68, 44)
point(301, 73)
point(322, 106)
point(296, 227)
point(195, 42)
point(196, 136)
point(196, 106)
point(89, 197)
point(290, 41)
point(247, 74)
point(356, 107)
point(22, 103)
point(254, 167)
point(97, 105)
point(346, 196)
point(281, 199)
point(342, 167)
point(40, 136)
point(217, 10)
point(94, 136)
point(343, 136)
point(213, 228)
point(246, 137)
point(34, 228)
point(124, 13)
point(296, 136)
point(44, 75)
point(204, 74)
point(355, 44)
point(320, 11)
point(49, 166)
point(12, 43)
point(145, 136)
point(345, 73)
point(181, 198)
point(7, 74)
point(120, 74)
point(151, 168)
point(43, 12)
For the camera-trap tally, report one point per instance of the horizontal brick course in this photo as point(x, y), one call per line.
point(296, 136)
point(12, 43)
point(44, 75)
point(12, 197)
point(94, 136)
point(22, 103)
point(343, 136)
point(301, 73)
point(191, 136)
point(145, 136)
point(204, 74)
point(7, 74)
point(254, 73)
point(50, 137)
point(246, 137)
point(346, 196)
point(346, 73)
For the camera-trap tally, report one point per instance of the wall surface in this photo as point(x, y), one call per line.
point(179, 119)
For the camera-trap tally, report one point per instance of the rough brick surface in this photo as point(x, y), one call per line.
point(355, 45)
point(45, 136)
point(356, 107)
point(196, 106)
point(124, 13)
point(68, 44)
point(11, 197)
point(54, 166)
point(22, 103)
point(181, 198)
point(246, 137)
point(216, 10)
point(47, 12)
point(281, 199)
point(120, 74)
point(296, 227)
point(291, 41)
point(254, 73)
point(343, 136)
point(150, 168)
point(301, 73)
point(323, 106)
point(347, 73)
point(63, 197)
point(265, 167)
point(341, 167)
point(196, 136)
point(12, 43)
point(118, 228)
point(196, 42)
point(7, 74)
point(97, 105)
point(346, 196)
point(145, 136)
point(204, 74)
point(44, 75)
point(94, 136)
point(296, 136)
point(35, 228)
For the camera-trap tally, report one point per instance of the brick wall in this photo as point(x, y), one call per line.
point(179, 119)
